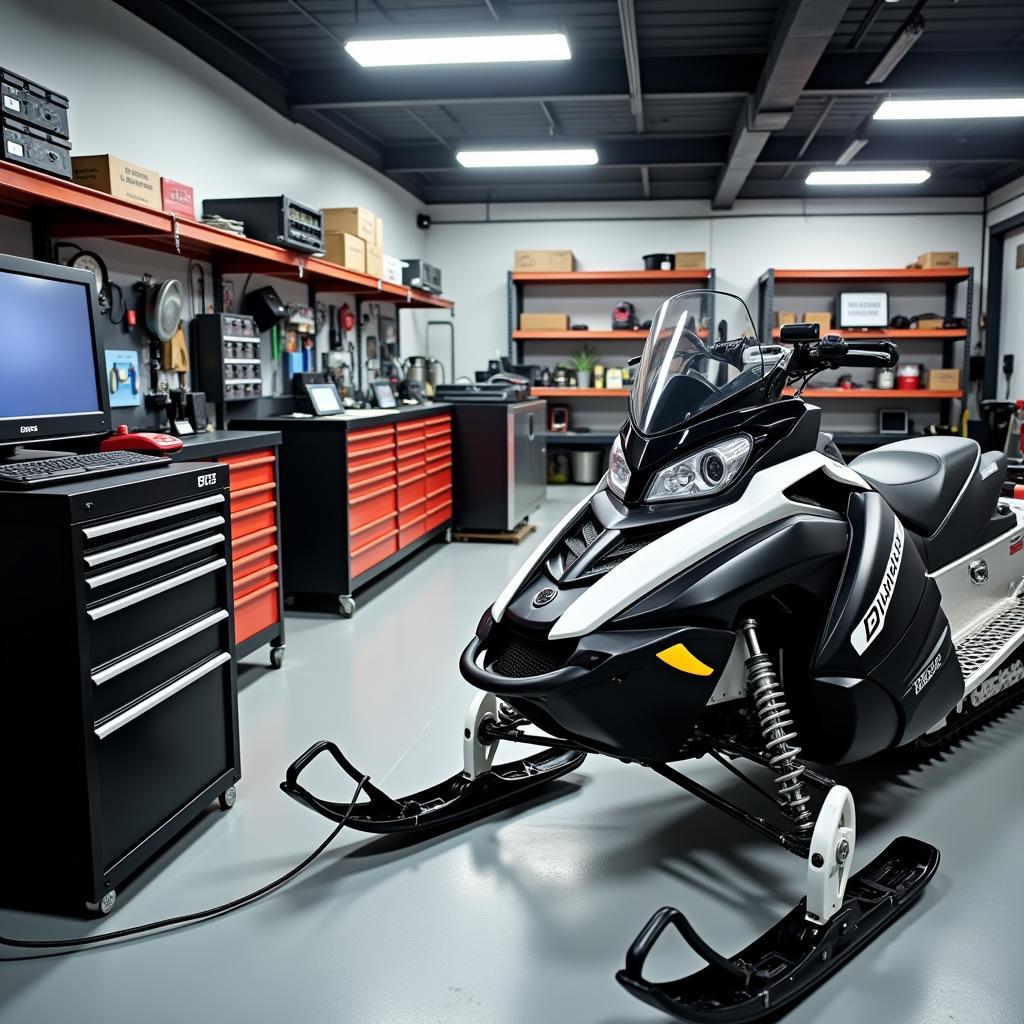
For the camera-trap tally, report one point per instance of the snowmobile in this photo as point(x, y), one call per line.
point(733, 589)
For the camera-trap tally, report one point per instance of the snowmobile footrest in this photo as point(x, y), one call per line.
point(442, 806)
point(795, 956)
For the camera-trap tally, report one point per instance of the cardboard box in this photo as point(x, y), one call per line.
point(823, 320)
point(378, 232)
point(783, 316)
point(691, 261)
point(392, 269)
point(178, 198)
point(546, 322)
point(375, 262)
point(544, 260)
point(118, 178)
point(346, 250)
point(943, 380)
point(351, 220)
point(938, 260)
point(928, 323)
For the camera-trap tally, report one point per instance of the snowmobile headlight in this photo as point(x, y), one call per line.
point(618, 469)
point(707, 471)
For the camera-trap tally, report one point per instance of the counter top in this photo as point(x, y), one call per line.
point(209, 444)
point(353, 419)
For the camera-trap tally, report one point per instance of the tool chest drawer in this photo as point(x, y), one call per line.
point(372, 504)
point(155, 756)
point(250, 468)
point(365, 556)
point(135, 674)
point(364, 444)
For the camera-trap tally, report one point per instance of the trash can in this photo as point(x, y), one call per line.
point(587, 466)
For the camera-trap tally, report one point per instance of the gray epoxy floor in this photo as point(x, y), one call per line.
point(521, 919)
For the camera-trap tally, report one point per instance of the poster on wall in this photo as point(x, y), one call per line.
point(122, 377)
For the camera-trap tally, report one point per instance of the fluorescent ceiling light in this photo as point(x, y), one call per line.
point(894, 177)
point(934, 110)
point(853, 147)
point(487, 49)
point(527, 157)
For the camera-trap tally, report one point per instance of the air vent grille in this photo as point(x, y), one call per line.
point(581, 538)
point(620, 553)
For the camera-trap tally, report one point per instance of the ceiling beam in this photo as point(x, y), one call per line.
point(931, 147)
point(842, 73)
point(802, 31)
point(630, 50)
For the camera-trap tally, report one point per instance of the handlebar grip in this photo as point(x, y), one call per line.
point(879, 354)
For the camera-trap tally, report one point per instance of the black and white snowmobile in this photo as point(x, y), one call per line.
point(733, 589)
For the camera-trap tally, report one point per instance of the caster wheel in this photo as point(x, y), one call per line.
point(277, 656)
point(346, 605)
point(448, 535)
point(105, 905)
point(227, 798)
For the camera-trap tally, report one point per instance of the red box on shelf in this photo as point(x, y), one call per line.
point(178, 198)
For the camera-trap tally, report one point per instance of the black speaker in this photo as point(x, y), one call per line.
point(195, 406)
point(423, 221)
point(264, 305)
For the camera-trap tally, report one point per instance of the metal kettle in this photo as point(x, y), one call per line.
point(415, 369)
point(435, 373)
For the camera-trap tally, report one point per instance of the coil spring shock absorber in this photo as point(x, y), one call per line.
point(773, 716)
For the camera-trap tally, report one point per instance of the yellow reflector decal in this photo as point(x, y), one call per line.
point(683, 661)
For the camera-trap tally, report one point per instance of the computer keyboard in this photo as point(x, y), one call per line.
point(42, 472)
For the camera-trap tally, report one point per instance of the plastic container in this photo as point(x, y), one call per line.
point(660, 261)
point(908, 377)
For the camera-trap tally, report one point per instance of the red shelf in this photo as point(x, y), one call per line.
point(883, 274)
point(610, 276)
point(893, 394)
point(579, 392)
point(892, 334)
point(640, 336)
point(78, 212)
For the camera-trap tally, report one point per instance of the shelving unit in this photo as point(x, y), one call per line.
point(62, 209)
point(949, 279)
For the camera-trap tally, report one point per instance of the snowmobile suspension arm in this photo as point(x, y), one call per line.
point(796, 844)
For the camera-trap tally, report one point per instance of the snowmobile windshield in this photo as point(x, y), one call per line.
point(702, 351)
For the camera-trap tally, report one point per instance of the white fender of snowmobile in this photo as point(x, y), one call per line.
point(761, 504)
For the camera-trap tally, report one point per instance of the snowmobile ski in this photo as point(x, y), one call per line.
point(442, 806)
point(793, 957)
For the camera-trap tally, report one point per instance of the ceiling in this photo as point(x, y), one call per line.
point(705, 99)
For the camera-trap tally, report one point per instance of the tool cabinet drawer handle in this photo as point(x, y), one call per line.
point(110, 726)
point(373, 494)
point(244, 492)
point(123, 550)
point(253, 594)
point(250, 538)
point(356, 552)
point(91, 532)
point(101, 611)
point(264, 460)
point(371, 450)
point(241, 513)
point(103, 578)
point(358, 468)
point(103, 675)
point(354, 485)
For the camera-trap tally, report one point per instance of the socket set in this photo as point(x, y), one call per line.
point(34, 121)
point(227, 349)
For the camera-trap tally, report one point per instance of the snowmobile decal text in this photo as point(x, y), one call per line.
point(870, 626)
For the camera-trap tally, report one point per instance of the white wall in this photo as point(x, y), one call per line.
point(474, 247)
point(141, 96)
point(1003, 204)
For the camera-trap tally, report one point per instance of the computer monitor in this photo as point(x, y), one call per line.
point(51, 359)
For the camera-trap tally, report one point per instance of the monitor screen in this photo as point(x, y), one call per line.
point(325, 399)
point(47, 350)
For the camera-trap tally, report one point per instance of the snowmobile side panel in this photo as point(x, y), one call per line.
point(789, 960)
point(886, 630)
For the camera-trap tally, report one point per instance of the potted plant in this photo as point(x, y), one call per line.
point(583, 361)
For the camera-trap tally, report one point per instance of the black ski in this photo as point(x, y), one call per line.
point(791, 959)
point(442, 806)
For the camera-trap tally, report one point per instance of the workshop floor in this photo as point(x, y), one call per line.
point(522, 918)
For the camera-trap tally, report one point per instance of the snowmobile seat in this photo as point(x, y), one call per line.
point(943, 489)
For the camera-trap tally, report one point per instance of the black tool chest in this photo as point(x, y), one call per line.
point(117, 593)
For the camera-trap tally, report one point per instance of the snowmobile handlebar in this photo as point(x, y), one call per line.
point(812, 354)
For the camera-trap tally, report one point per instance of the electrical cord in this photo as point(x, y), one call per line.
point(72, 945)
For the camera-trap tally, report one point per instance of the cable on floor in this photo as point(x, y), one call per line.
point(72, 945)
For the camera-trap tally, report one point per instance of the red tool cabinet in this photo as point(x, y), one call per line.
point(359, 494)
